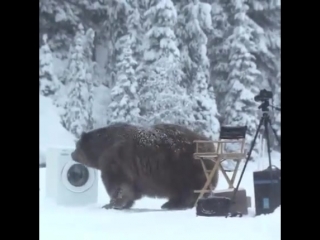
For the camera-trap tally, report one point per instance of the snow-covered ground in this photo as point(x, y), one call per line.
point(94, 223)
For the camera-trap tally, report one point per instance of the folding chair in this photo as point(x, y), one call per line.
point(218, 153)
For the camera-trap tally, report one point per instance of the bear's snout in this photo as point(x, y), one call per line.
point(74, 156)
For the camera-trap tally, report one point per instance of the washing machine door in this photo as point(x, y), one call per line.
point(77, 178)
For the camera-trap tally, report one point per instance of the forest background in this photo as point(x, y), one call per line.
point(190, 62)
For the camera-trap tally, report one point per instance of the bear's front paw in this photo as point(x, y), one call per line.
point(108, 206)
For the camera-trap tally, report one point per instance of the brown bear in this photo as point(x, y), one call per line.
point(137, 161)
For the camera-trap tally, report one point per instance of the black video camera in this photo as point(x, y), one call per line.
point(264, 95)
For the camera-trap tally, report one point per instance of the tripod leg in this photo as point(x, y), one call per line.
point(268, 122)
point(275, 134)
point(247, 159)
point(266, 129)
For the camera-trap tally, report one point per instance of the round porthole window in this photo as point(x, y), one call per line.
point(77, 177)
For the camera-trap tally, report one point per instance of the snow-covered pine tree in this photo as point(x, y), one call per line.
point(58, 19)
point(124, 105)
point(243, 80)
point(265, 16)
point(197, 20)
point(77, 107)
point(48, 81)
point(114, 28)
point(218, 50)
point(135, 28)
point(183, 41)
point(162, 99)
point(277, 114)
point(93, 68)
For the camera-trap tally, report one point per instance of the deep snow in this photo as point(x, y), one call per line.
point(148, 222)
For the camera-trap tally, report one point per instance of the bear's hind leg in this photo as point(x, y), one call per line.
point(172, 204)
point(177, 204)
point(185, 201)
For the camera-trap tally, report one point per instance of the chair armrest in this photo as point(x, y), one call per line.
point(205, 141)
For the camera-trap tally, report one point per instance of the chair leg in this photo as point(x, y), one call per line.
point(226, 176)
point(208, 182)
point(205, 170)
point(233, 178)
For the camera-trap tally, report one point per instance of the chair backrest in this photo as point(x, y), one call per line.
point(233, 132)
point(232, 135)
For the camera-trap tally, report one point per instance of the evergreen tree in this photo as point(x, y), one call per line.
point(265, 19)
point(277, 103)
point(124, 106)
point(135, 28)
point(183, 41)
point(88, 48)
point(197, 20)
point(132, 31)
point(48, 82)
point(243, 80)
point(60, 18)
point(162, 99)
point(77, 108)
point(218, 50)
point(112, 30)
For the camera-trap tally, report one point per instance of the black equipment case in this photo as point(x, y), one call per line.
point(267, 190)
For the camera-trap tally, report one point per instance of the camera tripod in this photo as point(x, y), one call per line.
point(266, 122)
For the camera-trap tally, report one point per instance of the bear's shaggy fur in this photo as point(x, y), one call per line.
point(135, 162)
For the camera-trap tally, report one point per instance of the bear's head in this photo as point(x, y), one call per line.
point(91, 145)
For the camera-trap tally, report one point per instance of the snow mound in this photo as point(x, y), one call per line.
point(51, 132)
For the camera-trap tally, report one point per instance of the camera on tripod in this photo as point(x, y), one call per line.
point(264, 95)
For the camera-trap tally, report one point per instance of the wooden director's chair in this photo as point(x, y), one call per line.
point(228, 134)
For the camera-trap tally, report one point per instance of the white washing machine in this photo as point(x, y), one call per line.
point(68, 182)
